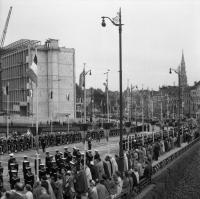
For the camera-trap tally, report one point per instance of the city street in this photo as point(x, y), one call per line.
point(102, 147)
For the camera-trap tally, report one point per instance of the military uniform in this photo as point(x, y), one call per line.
point(14, 179)
point(48, 160)
point(42, 171)
point(29, 177)
point(25, 164)
point(54, 169)
point(1, 176)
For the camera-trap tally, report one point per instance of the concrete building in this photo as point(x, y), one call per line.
point(195, 100)
point(56, 81)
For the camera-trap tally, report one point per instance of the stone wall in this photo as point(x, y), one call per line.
point(172, 181)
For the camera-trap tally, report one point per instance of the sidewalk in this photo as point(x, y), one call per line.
point(160, 159)
point(167, 154)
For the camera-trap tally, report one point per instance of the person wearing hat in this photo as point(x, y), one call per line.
point(10, 161)
point(89, 143)
point(43, 144)
point(48, 162)
point(42, 171)
point(14, 179)
point(66, 152)
point(25, 164)
point(29, 177)
point(57, 155)
point(1, 176)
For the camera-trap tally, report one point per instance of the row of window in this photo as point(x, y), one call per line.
point(15, 58)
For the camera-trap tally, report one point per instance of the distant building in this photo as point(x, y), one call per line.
point(195, 100)
point(56, 81)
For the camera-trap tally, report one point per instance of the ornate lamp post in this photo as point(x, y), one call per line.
point(117, 22)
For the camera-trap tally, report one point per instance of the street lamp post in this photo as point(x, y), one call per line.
point(179, 100)
point(119, 24)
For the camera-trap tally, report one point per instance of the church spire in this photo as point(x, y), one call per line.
point(183, 72)
point(182, 60)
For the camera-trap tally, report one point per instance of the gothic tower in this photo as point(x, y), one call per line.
point(183, 78)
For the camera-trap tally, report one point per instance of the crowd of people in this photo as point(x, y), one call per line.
point(70, 175)
point(74, 175)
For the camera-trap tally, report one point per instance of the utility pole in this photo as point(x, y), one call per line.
point(142, 111)
point(131, 106)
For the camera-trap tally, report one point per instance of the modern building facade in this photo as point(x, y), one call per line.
point(56, 81)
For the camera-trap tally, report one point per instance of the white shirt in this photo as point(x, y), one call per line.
point(137, 176)
point(88, 175)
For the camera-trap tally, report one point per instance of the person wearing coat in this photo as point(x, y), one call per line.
point(105, 166)
point(100, 167)
point(101, 190)
point(126, 184)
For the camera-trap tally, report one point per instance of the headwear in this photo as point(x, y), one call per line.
point(72, 162)
point(11, 154)
point(66, 147)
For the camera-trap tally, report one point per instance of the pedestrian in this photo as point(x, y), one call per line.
point(101, 190)
point(43, 144)
point(92, 192)
point(17, 193)
point(89, 143)
point(37, 190)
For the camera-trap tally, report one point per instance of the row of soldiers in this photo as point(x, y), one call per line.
point(13, 169)
point(53, 165)
point(17, 143)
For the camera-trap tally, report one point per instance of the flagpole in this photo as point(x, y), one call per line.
point(84, 115)
point(37, 142)
point(7, 120)
point(7, 113)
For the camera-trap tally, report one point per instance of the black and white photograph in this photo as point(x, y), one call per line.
point(99, 99)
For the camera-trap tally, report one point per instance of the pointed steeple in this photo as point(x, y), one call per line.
point(183, 71)
point(182, 60)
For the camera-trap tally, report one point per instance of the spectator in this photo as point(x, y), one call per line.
point(126, 184)
point(59, 186)
point(92, 192)
point(100, 168)
point(101, 190)
point(28, 194)
point(37, 190)
point(17, 193)
point(44, 194)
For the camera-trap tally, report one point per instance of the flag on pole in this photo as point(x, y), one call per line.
point(81, 80)
point(5, 90)
point(67, 96)
point(32, 71)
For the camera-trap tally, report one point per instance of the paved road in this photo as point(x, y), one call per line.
point(103, 147)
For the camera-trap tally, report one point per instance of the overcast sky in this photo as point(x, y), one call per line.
point(154, 34)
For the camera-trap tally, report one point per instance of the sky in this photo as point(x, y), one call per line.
point(155, 32)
